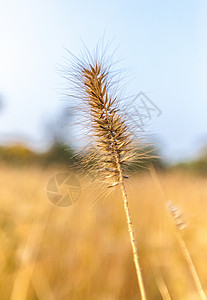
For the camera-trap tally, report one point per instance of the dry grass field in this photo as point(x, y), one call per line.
point(83, 251)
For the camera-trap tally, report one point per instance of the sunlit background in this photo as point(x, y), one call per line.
point(162, 45)
point(83, 251)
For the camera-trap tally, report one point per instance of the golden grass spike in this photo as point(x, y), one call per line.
point(110, 135)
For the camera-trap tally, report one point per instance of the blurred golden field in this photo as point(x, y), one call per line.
point(83, 252)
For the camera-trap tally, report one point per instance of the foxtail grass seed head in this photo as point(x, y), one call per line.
point(110, 138)
point(177, 216)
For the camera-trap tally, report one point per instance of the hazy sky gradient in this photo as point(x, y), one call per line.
point(163, 43)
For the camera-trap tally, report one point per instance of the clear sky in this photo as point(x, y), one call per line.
point(162, 43)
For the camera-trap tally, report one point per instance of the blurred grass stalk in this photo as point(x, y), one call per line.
point(179, 225)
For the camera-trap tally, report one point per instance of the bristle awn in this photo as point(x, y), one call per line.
point(108, 133)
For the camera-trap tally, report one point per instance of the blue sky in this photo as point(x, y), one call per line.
point(163, 44)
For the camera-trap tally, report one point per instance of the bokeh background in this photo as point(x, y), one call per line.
point(83, 251)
